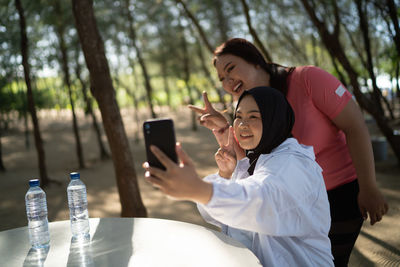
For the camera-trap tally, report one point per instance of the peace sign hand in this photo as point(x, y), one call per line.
point(179, 181)
point(209, 117)
point(226, 156)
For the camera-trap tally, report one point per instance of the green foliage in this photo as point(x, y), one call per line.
point(283, 27)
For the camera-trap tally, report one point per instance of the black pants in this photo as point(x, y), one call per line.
point(346, 221)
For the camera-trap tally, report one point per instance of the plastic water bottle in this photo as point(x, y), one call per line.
point(78, 211)
point(36, 211)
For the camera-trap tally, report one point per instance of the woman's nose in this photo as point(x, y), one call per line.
point(243, 124)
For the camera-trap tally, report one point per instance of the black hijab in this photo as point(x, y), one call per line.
point(277, 121)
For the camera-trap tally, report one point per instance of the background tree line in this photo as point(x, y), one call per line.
point(109, 54)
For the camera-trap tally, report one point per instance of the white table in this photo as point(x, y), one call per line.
point(138, 242)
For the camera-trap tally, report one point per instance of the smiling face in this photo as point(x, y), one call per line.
point(237, 75)
point(248, 123)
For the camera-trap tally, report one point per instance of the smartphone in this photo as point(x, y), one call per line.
point(160, 133)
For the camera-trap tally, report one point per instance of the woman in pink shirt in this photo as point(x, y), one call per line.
point(326, 118)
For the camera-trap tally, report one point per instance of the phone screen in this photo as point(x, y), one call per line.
point(160, 133)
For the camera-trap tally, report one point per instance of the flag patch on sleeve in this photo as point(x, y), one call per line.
point(340, 90)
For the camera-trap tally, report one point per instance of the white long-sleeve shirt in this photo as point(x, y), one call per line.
point(281, 212)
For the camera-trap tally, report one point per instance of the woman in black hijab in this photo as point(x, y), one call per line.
point(274, 200)
point(277, 121)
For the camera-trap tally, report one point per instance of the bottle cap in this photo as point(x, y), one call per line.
point(74, 175)
point(34, 182)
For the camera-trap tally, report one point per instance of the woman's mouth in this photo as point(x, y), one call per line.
point(237, 87)
point(246, 136)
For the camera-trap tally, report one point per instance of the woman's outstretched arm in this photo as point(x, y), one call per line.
point(370, 199)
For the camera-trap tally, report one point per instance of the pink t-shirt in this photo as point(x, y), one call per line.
point(317, 97)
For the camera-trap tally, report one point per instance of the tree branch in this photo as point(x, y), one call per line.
point(253, 33)
point(197, 25)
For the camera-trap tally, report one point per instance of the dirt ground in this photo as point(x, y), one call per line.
point(377, 245)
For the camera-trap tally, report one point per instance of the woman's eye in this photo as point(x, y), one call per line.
point(230, 69)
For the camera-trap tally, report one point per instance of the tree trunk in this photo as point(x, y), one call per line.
point(132, 94)
point(314, 50)
point(332, 43)
point(253, 33)
point(96, 127)
point(44, 179)
point(132, 35)
point(394, 16)
point(135, 101)
point(89, 108)
point(136, 112)
point(197, 25)
point(135, 108)
point(2, 168)
point(24, 112)
point(218, 6)
point(370, 65)
point(340, 74)
point(397, 77)
point(186, 73)
point(103, 91)
point(67, 82)
point(164, 67)
point(26, 130)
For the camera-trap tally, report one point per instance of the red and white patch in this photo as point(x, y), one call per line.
point(340, 90)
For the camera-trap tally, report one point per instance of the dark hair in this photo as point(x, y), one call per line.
point(247, 51)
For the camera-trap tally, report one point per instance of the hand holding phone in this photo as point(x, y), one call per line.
point(160, 133)
point(179, 181)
